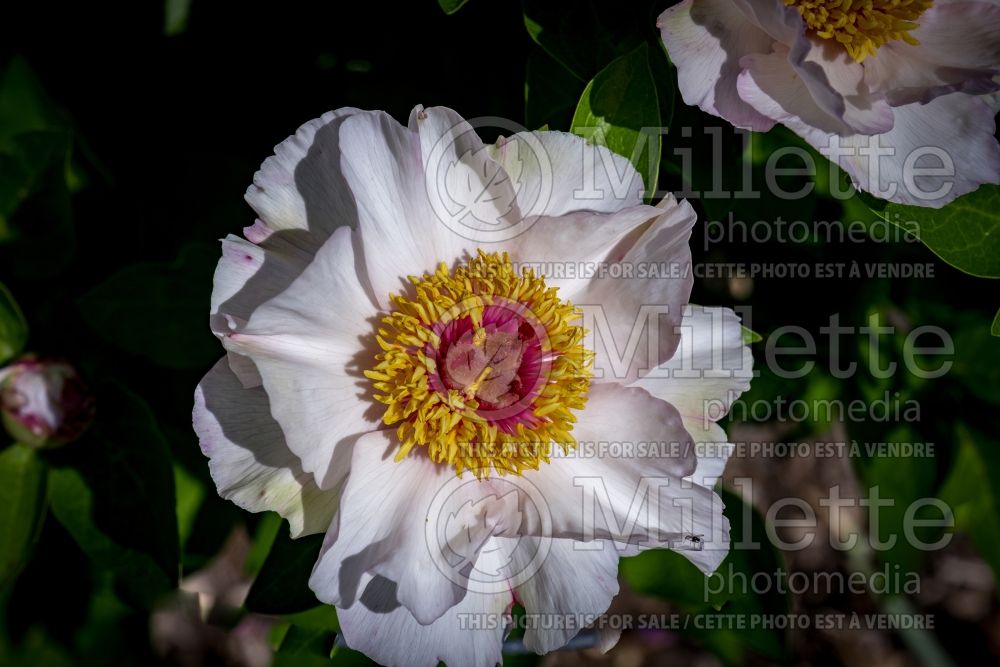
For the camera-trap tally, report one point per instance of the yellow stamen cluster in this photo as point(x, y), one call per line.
point(862, 26)
point(449, 422)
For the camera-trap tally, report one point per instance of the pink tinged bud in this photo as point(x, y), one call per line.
point(44, 402)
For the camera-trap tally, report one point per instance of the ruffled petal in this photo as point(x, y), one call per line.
point(413, 522)
point(711, 369)
point(953, 130)
point(958, 51)
point(706, 40)
point(624, 436)
point(309, 345)
point(568, 249)
point(574, 584)
point(556, 173)
point(301, 186)
point(472, 197)
point(625, 482)
point(401, 235)
point(782, 22)
point(632, 317)
point(382, 165)
point(301, 196)
point(248, 274)
point(837, 84)
point(470, 633)
point(248, 458)
point(823, 91)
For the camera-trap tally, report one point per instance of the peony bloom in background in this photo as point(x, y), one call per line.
point(409, 370)
point(894, 91)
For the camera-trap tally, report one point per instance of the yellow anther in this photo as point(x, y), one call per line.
point(452, 423)
point(861, 27)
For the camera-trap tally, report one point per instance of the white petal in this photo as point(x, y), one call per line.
point(470, 633)
point(566, 249)
point(555, 173)
point(301, 187)
point(710, 369)
point(632, 317)
point(958, 50)
point(248, 274)
point(837, 83)
point(309, 344)
point(649, 441)
point(962, 33)
point(782, 22)
point(244, 369)
point(950, 131)
point(400, 233)
point(825, 95)
point(711, 532)
point(575, 584)
point(248, 458)
point(472, 196)
point(706, 40)
point(625, 482)
point(714, 450)
point(413, 522)
point(301, 197)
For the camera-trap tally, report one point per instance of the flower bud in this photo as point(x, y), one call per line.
point(44, 402)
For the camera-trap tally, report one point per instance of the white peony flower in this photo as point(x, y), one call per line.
point(894, 91)
point(399, 378)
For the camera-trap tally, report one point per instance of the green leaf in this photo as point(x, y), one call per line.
point(305, 641)
point(175, 16)
point(36, 138)
point(113, 491)
point(265, 533)
point(619, 109)
point(190, 494)
point(965, 233)
point(665, 74)
point(451, 6)
point(748, 530)
point(346, 657)
point(750, 336)
point(13, 326)
point(995, 329)
point(282, 587)
point(973, 492)
point(75, 506)
point(24, 104)
point(159, 310)
point(38, 648)
point(900, 480)
point(977, 362)
point(36, 215)
point(22, 508)
point(669, 575)
point(550, 92)
point(315, 646)
point(320, 617)
point(581, 36)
